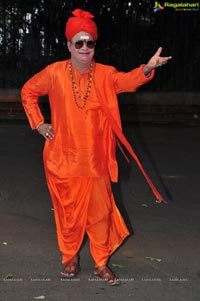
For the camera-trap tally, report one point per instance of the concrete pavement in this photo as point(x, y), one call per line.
point(160, 261)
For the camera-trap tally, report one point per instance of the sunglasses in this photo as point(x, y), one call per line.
point(79, 44)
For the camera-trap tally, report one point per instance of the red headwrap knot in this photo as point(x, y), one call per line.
point(82, 21)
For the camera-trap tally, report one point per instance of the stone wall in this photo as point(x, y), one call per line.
point(156, 107)
point(160, 107)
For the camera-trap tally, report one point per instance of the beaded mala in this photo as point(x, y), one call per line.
point(80, 100)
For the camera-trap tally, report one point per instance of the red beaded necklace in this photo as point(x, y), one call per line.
point(80, 100)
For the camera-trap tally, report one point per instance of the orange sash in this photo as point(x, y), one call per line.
point(127, 145)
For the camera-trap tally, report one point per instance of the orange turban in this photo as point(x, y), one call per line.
point(81, 22)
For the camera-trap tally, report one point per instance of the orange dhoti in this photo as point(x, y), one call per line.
point(86, 204)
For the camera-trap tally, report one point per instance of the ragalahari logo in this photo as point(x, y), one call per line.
point(177, 6)
point(157, 7)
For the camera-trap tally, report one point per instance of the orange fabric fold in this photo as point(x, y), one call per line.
point(86, 204)
point(127, 145)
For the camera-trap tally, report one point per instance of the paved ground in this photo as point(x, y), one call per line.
point(159, 262)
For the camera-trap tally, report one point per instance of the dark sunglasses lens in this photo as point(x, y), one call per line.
point(79, 44)
point(91, 44)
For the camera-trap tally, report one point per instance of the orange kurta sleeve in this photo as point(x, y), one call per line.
point(130, 81)
point(36, 86)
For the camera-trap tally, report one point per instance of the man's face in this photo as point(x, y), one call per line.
point(84, 54)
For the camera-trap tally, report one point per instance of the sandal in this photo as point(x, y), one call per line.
point(71, 269)
point(108, 276)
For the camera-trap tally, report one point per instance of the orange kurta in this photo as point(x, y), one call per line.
point(55, 82)
point(81, 157)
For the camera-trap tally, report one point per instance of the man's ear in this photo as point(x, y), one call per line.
point(69, 46)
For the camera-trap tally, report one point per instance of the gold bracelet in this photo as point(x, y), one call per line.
point(39, 125)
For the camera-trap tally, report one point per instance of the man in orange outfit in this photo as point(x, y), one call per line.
point(79, 153)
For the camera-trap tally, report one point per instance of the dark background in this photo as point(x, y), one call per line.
point(32, 36)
